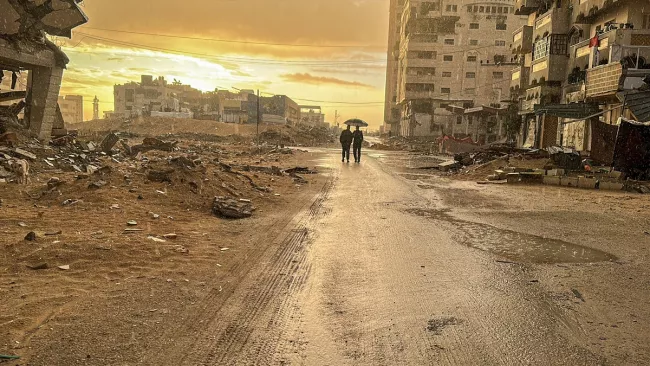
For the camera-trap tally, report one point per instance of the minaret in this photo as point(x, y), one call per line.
point(95, 108)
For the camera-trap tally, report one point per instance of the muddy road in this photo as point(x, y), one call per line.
point(386, 266)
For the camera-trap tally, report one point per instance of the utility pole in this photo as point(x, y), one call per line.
point(258, 117)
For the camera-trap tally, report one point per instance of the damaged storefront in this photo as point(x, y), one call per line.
point(26, 49)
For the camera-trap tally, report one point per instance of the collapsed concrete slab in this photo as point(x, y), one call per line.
point(24, 47)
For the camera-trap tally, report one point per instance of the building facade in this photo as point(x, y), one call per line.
point(312, 116)
point(575, 60)
point(451, 53)
point(391, 108)
point(72, 108)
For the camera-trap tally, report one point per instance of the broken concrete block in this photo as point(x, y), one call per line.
point(448, 165)
point(587, 183)
point(569, 182)
point(513, 178)
point(551, 180)
point(160, 175)
point(231, 209)
point(555, 172)
point(109, 142)
point(612, 186)
point(25, 154)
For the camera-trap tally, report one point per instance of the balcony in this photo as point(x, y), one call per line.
point(526, 7)
point(415, 45)
point(622, 67)
point(540, 94)
point(604, 80)
point(554, 21)
point(420, 62)
point(419, 94)
point(520, 77)
point(422, 79)
point(549, 68)
point(522, 40)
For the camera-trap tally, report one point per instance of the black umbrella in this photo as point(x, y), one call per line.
point(356, 122)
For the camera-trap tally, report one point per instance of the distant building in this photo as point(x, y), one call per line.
point(312, 116)
point(155, 95)
point(72, 108)
point(281, 105)
point(95, 108)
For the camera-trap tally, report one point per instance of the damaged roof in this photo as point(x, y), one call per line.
point(638, 102)
point(56, 17)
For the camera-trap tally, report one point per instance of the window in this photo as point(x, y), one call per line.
point(487, 9)
point(422, 54)
point(475, 9)
point(470, 75)
point(469, 9)
point(448, 8)
point(459, 120)
point(559, 44)
point(419, 87)
point(454, 8)
point(449, 41)
point(471, 58)
point(445, 91)
point(470, 91)
point(497, 75)
point(448, 58)
point(446, 74)
point(499, 43)
point(473, 25)
point(481, 9)
point(470, 120)
point(473, 42)
point(494, 10)
point(502, 26)
point(500, 10)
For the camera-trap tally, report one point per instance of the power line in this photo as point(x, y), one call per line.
point(231, 40)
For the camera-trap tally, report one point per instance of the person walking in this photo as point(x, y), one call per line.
point(357, 138)
point(346, 141)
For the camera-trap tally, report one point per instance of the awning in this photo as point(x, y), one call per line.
point(638, 103)
point(573, 110)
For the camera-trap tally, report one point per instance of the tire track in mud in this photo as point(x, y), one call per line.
point(253, 318)
point(186, 342)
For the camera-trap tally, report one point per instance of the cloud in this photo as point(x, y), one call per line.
point(306, 78)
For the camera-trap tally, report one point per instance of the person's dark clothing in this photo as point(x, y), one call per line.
point(346, 137)
point(346, 152)
point(346, 141)
point(357, 138)
point(357, 153)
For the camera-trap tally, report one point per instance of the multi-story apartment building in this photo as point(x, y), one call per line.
point(453, 59)
point(576, 58)
point(149, 95)
point(72, 108)
point(391, 108)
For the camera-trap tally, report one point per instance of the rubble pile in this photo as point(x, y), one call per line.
point(203, 169)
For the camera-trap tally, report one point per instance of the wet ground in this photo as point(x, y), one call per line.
point(391, 264)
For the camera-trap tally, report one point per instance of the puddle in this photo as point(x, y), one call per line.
point(513, 244)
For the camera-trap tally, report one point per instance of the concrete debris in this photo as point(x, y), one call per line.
point(39, 266)
point(108, 143)
point(231, 208)
point(97, 185)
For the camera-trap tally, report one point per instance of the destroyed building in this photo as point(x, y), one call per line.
point(26, 48)
point(575, 59)
point(448, 53)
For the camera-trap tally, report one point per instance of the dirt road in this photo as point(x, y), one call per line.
point(390, 267)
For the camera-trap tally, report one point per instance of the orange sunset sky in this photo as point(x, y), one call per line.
point(323, 50)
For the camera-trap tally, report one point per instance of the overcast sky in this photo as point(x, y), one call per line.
point(324, 73)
